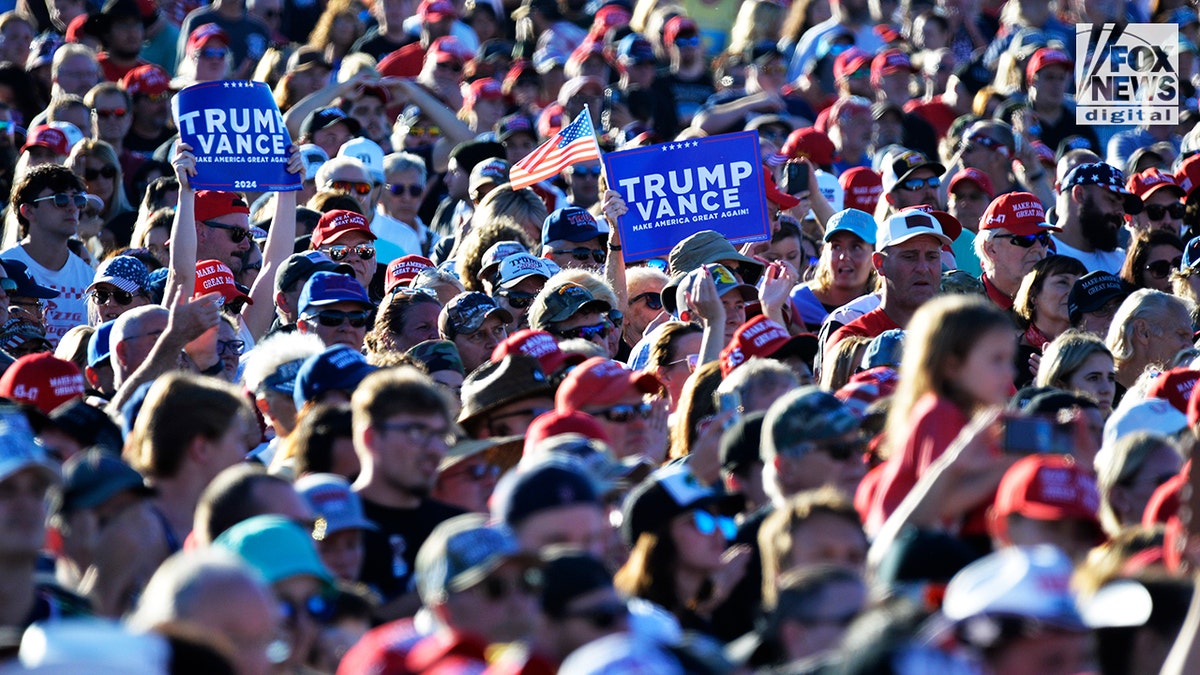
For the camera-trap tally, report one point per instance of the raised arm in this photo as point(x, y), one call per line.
point(181, 277)
point(614, 207)
point(280, 240)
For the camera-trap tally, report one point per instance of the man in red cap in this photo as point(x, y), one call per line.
point(1013, 237)
point(969, 194)
point(1048, 75)
point(484, 105)
point(626, 403)
point(222, 227)
point(688, 78)
point(852, 73)
point(892, 76)
point(850, 131)
point(1047, 499)
point(344, 236)
point(248, 37)
point(149, 88)
point(1163, 200)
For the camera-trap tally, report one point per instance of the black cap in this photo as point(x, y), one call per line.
point(323, 118)
point(567, 575)
point(741, 441)
point(93, 477)
point(27, 287)
point(470, 153)
point(300, 266)
point(1093, 291)
point(88, 425)
point(554, 483)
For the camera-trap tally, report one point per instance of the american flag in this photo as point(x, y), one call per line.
point(575, 142)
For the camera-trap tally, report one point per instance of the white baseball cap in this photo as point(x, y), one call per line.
point(907, 225)
point(1031, 582)
point(366, 151)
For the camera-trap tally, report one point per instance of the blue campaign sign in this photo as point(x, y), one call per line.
point(237, 135)
point(677, 189)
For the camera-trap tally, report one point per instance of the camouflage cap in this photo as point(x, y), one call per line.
point(438, 355)
point(804, 415)
point(961, 283)
point(562, 304)
point(466, 312)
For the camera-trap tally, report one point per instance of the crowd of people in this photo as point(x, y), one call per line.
point(413, 419)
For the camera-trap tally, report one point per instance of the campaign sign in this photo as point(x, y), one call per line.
point(237, 135)
point(677, 189)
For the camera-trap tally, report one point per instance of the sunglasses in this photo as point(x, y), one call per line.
point(351, 186)
point(585, 171)
point(338, 252)
point(102, 296)
point(497, 589)
point(452, 66)
point(1027, 240)
point(424, 131)
point(706, 523)
point(7, 126)
point(682, 42)
point(1161, 269)
point(316, 607)
point(1158, 211)
point(108, 172)
point(582, 254)
point(620, 414)
point(62, 200)
point(653, 300)
point(332, 318)
point(603, 617)
point(691, 359)
point(236, 234)
point(210, 53)
point(585, 332)
point(517, 299)
point(914, 184)
point(399, 190)
point(8, 285)
point(989, 143)
point(774, 69)
point(106, 114)
point(235, 347)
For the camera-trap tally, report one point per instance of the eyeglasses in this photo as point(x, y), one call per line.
point(478, 472)
point(332, 318)
point(914, 184)
point(399, 190)
point(682, 42)
point(8, 285)
point(156, 98)
point(424, 131)
point(213, 53)
point(497, 589)
point(108, 172)
point(517, 299)
point(653, 300)
point(236, 234)
point(33, 306)
point(1161, 269)
point(1159, 211)
point(691, 359)
point(585, 332)
point(582, 254)
point(620, 414)
point(1026, 240)
point(102, 295)
point(62, 200)
point(421, 434)
point(350, 186)
point(338, 252)
point(315, 606)
point(106, 114)
point(706, 523)
point(235, 347)
point(603, 617)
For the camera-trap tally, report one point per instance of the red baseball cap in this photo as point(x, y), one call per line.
point(1175, 386)
point(861, 188)
point(975, 176)
point(1047, 487)
point(147, 80)
point(214, 276)
point(403, 270)
point(486, 88)
point(436, 10)
point(810, 144)
point(1152, 180)
point(449, 48)
point(781, 199)
point(43, 381)
point(849, 62)
point(1164, 503)
point(889, 61)
point(1018, 212)
point(46, 136)
point(540, 345)
point(556, 423)
point(204, 35)
point(1188, 176)
point(1046, 56)
point(602, 382)
point(337, 223)
point(676, 26)
point(212, 204)
point(763, 338)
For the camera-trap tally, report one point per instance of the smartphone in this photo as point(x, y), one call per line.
point(795, 178)
point(726, 402)
point(1028, 435)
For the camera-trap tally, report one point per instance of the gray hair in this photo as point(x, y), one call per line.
point(1118, 464)
point(335, 163)
point(757, 376)
point(128, 324)
point(1143, 305)
point(406, 161)
point(982, 239)
point(187, 581)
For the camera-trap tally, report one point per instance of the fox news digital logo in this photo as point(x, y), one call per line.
point(1127, 75)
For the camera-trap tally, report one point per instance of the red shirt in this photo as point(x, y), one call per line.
point(404, 62)
point(112, 72)
point(997, 296)
point(869, 325)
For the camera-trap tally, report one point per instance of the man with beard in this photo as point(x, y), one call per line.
point(1091, 209)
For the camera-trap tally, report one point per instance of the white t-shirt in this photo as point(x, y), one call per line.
point(69, 309)
point(1096, 261)
point(400, 239)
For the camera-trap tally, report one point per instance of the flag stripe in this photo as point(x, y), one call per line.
point(574, 143)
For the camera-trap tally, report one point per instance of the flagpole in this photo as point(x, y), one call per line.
point(614, 274)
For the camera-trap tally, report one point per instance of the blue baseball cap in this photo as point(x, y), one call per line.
point(570, 224)
point(98, 344)
point(327, 288)
point(27, 287)
point(338, 368)
point(856, 222)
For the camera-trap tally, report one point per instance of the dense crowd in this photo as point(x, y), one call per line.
point(414, 419)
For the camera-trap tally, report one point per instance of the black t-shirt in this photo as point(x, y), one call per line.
point(689, 95)
point(391, 552)
point(147, 146)
point(376, 44)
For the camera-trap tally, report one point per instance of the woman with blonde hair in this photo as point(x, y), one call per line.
point(336, 31)
point(1080, 362)
point(96, 163)
point(757, 21)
